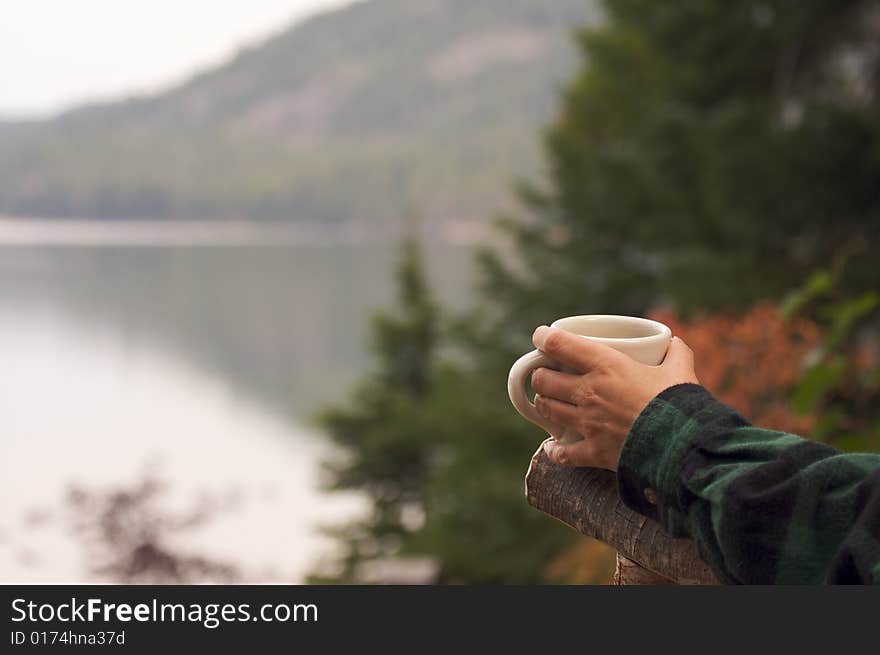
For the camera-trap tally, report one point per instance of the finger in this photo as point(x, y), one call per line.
point(581, 453)
point(570, 349)
point(556, 411)
point(680, 358)
point(553, 384)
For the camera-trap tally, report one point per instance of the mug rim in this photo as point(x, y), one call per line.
point(663, 330)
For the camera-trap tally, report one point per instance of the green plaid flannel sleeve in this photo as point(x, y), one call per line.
point(764, 507)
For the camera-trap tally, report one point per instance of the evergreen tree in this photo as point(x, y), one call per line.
point(708, 154)
point(384, 453)
point(439, 455)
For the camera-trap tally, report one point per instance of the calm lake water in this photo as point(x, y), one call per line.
point(202, 363)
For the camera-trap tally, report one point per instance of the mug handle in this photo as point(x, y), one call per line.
point(516, 389)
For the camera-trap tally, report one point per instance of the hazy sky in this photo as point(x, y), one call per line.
point(56, 53)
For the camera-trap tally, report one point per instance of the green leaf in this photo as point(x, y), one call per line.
point(816, 383)
point(818, 284)
point(847, 314)
point(853, 443)
point(829, 424)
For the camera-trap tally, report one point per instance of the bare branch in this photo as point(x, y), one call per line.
point(587, 500)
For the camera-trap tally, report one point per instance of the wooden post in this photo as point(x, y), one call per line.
point(587, 500)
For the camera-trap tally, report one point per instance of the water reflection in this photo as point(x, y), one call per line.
point(207, 358)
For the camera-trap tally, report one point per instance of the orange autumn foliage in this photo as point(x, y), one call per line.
point(751, 362)
point(587, 562)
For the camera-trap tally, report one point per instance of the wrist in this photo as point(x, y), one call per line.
point(649, 467)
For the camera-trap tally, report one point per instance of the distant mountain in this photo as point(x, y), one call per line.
point(357, 116)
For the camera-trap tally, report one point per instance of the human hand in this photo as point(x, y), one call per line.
point(602, 401)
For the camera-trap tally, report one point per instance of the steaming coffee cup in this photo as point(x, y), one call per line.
point(642, 339)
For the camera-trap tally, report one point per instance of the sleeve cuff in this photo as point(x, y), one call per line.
point(649, 470)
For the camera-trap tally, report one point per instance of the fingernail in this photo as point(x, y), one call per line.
point(541, 406)
point(540, 335)
point(548, 448)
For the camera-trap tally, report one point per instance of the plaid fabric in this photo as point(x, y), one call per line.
point(764, 507)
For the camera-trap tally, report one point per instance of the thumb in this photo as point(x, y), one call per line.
point(557, 452)
point(680, 359)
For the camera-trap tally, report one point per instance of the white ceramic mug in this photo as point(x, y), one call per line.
point(642, 339)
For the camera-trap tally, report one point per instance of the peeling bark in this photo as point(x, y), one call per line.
point(587, 500)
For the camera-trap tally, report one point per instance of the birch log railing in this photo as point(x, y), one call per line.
point(587, 500)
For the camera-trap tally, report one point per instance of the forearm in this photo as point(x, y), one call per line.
point(764, 507)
